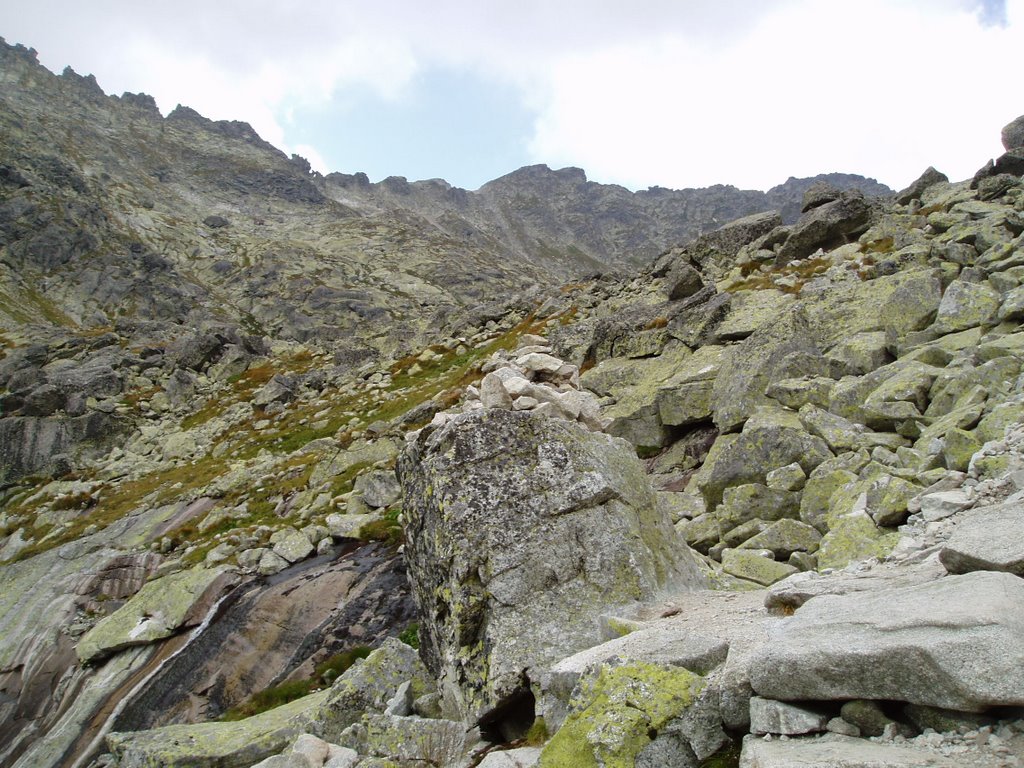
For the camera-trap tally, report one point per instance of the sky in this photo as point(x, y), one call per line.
point(670, 93)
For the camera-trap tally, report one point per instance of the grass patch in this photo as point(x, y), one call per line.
point(334, 667)
point(324, 674)
point(112, 503)
point(270, 698)
point(386, 530)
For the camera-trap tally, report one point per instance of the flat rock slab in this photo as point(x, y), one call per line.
point(789, 594)
point(834, 752)
point(987, 539)
point(159, 609)
point(952, 643)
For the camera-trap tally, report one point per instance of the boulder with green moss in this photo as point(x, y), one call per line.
point(637, 714)
point(161, 608)
point(966, 305)
point(782, 349)
point(902, 302)
point(520, 530)
point(755, 566)
point(751, 455)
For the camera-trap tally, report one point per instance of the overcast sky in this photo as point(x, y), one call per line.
point(672, 93)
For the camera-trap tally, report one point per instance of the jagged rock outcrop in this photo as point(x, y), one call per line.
point(520, 530)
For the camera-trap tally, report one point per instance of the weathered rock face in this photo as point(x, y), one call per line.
point(520, 531)
point(951, 643)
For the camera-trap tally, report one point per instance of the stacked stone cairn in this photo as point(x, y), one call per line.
point(532, 379)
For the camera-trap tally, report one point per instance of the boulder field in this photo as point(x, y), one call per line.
point(759, 503)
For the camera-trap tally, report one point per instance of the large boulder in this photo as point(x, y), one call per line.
point(751, 455)
point(902, 302)
point(715, 252)
point(520, 531)
point(987, 539)
point(827, 226)
point(951, 643)
point(1013, 134)
point(779, 350)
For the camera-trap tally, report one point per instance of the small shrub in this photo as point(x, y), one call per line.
point(411, 636)
point(80, 500)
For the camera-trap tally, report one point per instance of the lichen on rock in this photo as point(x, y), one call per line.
point(521, 531)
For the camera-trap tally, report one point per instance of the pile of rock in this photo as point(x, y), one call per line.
point(533, 379)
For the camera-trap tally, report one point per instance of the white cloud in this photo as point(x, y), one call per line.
point(878, 88)
point(651, 92)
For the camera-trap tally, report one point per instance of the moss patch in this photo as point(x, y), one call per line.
point(619, 713)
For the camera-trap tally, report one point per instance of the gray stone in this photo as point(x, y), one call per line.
point(843, 728)
point(280, 389)
point(782, 349)
point(1012, 134)
point(952, 643)
point(313, 749)
point(521, 757)
point(943, 504)
point(715, 252)
point(788, 478)
point(742, 503)
point(379, 488)
point(785, 537)
point(293, 546)
point(827, 225)
point(987, 539)
point(795, 393)
point(840, 434)
point(835, 751)
point(271, 563)
point(520, 530)
point(778, 717)
point(929, 178)
point(341, 757)
point(859, 354)
point(682, 281)
point(755, 566)
point(493, 393)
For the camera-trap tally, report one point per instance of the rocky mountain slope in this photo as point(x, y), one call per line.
point(767, 485)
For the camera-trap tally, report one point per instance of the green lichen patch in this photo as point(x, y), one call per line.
point(618, 713)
